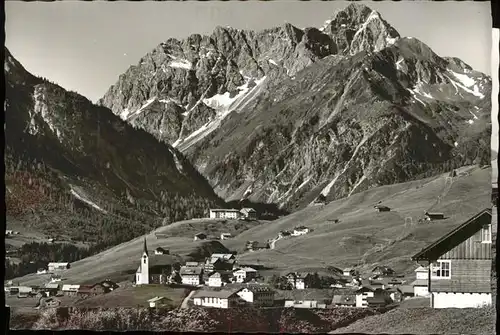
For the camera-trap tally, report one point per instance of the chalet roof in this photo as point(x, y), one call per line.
point(422, 269)
point(434, 214)
point(52, 286)
point(222, 256)
point(222, 294)
point(191, 270)
point(383, 269)
point(381, 207)
point(307, 294)
point(406, 289)
point(155, 299)
point(69, 287)
point(454, 237)
point(419, 282)
point(246, 269)
point(344, 299)
point(160, 249)
point(365, 289)
point(200, 234)
point(248, 210)
point(58, 264)
point(252, 286)
point(232, 210)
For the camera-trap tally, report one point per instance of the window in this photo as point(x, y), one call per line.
point(441, 269)
point(486, 234)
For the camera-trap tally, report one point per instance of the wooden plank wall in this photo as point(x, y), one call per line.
point(472, 248)
point(468, 276)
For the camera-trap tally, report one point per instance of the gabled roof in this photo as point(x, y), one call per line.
point(190, 270)
point(307, 295)
point(222, 294)
point(422, 269)
point(454, 237)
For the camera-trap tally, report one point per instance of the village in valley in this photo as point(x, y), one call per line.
point(454, 271)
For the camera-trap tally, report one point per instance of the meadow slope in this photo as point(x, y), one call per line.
point(362, 237)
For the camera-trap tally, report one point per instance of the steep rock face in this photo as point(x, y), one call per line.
point(75, 167)
point(285, 115)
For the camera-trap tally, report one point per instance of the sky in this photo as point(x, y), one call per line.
point(85, 46)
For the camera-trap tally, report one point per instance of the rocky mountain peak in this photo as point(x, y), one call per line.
point(359, 28)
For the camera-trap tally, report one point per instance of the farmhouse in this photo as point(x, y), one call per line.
point(349, 272)
point(380, 298)
point(51, 289)
point(191, 275)
point(224, 214)
point(362, 294)
point(219, 262)
point(55, 278)
point(258, 295)
point(200, 236)
point(225, 236)
point(218, 279)
point(381, 208)
point(161, 251)
point(297, 280)
point(248, 214)
point(433, 216)
point(308, 298)
point(344, 300)
point(460, 264)
point(383, 271)
point(225, 298)
point(301, 230)
point(58, 266)
point(254, 246)
point(242, 275)
point(70, 290)
point(156, 302)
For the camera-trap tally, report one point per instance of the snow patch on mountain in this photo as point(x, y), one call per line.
point(223, 104)
point(77, 193)
point(362, 179)
point(272, 62)
point(179, 63)
point(126, 114)
point(466, 83)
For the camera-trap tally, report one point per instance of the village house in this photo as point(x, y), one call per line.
point(220, 262)
point(381, 208)
point(51, 289)
point(433, 216)
point(224, 214)
point(225, 236)
point(58, 266)
point(191, 275)
point(41, 271)
point(460, 264)
point(225, 298)
point(70, 290)
point(54, 278)
point(200, 236)
point(301, 230)
point(380, 298)
point(350, 272)
point(259, 295)
point(218, 279)
point(347, 299)
point(308, 298)
point(248, 214)
point(383, 271)
point(362, 294)
point(244, 274)
point(108, 285)
point(161, 251)
point(156, 302)
point(297, 280)
point(255, 246)
point(395, 294)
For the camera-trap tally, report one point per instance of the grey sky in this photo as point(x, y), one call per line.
point(85, 46)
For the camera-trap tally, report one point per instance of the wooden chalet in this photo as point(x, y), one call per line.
point(434, 216)
point(381, 208)
point(460, 264)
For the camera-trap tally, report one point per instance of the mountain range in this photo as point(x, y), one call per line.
point(284, 116)
point(77, 171)
point(295, 116)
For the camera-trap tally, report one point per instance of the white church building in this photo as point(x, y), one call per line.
point(142, 274)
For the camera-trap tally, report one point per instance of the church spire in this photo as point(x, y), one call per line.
point(145, 247)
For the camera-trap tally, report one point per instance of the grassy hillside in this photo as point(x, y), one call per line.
point(362, 236)
point(366, 237)
point(120, 262)
point(436, 321)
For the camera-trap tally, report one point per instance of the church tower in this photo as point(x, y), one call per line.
point(142, 275)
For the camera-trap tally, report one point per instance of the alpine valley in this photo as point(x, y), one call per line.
point(292, 116)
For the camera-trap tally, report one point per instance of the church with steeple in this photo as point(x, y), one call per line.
point(155, 268)
point(142, 274)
